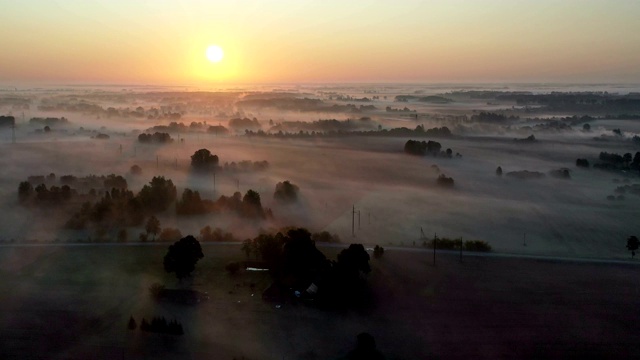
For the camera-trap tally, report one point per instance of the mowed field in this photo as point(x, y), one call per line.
point(73, 302)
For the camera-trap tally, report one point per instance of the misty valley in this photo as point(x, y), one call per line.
point(165, 222)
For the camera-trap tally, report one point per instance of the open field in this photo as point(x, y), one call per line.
point(74, 303)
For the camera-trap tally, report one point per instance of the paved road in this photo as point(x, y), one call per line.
point(327, 245)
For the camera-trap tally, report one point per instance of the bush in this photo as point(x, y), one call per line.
point(444, 181)
point(477, 245)
point(378, 251)
point(454, 244)
point(582, 163)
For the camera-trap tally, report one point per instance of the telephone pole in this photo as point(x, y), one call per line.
point(435, 244)
point(353, 221)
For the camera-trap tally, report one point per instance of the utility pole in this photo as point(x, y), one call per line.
point(157, 162)
point(435, 244)
point(460, 249)
point(524, 239)
point(353, 221)
point(13, 131)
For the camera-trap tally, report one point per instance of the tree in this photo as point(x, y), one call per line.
point(286, 192)
point(301, 259)
point(122, 235)
point(252, 205)
point(445, 181)
point(158, 195)
point(354, 259)
point(204, 160)
point(135, 170)
point(247, 247)
point(582, 163)
point(365, 349)
point(183, 256)
point(152, 226)
point(499, 171)
point(378, 251)
point(132, 324)
point(632, 245)
point(25, 191)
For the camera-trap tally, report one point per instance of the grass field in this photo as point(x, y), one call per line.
point(74, 303)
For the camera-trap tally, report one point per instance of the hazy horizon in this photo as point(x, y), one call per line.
point(305, 42)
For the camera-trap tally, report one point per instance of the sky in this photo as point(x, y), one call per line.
point(162, 42)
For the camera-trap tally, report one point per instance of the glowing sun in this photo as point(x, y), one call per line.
point(215, 53)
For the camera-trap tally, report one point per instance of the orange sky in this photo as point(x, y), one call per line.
point(164, 42)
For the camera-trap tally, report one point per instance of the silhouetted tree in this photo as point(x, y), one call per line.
point(247, 247)
point(122, 235)
point(152, 226)
point(301, 259)
point(445, 181)
point(183, 256)
point(365, 349)
point(286, 192)
point(632, 245)
point(25, 191)
point(132, 324)
point(190, 204)
point(499, 171)
point(354, 259)
point(378, 251)
point(582, 163)
point(251, 204)
point(204, 160)
point(158, 195)
point(135, 170)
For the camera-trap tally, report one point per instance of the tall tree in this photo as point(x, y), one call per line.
point(152, 226)
point(183, 256)
point(204, 160)
point(632, 245)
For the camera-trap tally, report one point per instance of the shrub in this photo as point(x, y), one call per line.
point(378, 251)
point(444, 181)
point(477, 245)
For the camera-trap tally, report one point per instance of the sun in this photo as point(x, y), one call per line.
point(215, 53)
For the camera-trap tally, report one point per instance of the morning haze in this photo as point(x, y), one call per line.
point(306, 180)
